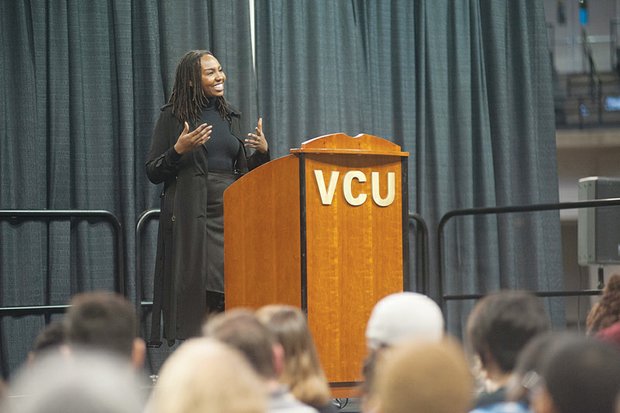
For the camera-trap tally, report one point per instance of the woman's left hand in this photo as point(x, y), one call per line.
point(257, 140)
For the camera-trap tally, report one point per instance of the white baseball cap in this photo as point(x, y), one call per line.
point(403, 316)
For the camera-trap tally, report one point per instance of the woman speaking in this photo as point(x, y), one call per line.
point(197, 151)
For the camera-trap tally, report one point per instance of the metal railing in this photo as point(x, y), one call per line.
point(45, 214)
point(442, 297)
point(588, 55)
point(421, 237)
point(596, 84)
point(144, 217)
point(422, 254)
point(422, 258)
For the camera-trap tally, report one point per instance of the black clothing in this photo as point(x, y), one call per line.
point(222, 147)
point(215, 302)
point(181, 268)
point(217, 182)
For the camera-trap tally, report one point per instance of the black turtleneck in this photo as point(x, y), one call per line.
point(223, 146)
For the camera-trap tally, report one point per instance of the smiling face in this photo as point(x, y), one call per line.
point(212, 76)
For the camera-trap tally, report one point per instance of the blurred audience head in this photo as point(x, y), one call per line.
point(395, 318)
point(500, 326)
point(530, 360)
point(51, 338)
point(106, 321)
point(580, 375)
point(242, 330)
point(606, 311)
point(206, 376)
point(87, 381)
point(404, 316)
point(302, 370)
point(423, 377)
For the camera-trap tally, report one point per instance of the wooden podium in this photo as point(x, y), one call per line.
point(324, 229)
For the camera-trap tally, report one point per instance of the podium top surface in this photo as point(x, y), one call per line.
point(340, 143)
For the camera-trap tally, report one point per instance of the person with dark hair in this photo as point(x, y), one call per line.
point(197, 151)
point(242, 330)
point(530, 360)
point(105, 321)
point(581, 375)
point(606, 311)
point(498, 328)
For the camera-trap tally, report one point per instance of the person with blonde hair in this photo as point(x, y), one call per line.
point(423, 376)
point(241, 329)
point(302, 369)
point(206, 376)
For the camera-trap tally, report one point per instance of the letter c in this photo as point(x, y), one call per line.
point(346, 187)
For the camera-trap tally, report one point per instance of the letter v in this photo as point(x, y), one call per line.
point(327, 195)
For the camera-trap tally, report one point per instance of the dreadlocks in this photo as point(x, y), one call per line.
point(188, 99)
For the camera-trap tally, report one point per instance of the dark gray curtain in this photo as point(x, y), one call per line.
point(465, 87)
point(81, 84)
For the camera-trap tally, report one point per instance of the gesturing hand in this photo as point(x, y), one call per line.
point(257, 140)
point(188, 141)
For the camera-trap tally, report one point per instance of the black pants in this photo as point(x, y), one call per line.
point(215, 302)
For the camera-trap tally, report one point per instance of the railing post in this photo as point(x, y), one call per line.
point(142, 220)
point(422, 242)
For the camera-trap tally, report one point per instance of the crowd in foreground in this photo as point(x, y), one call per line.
point(265, 361)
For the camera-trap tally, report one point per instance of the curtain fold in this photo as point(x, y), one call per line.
point(464, 87)
point(82, 84)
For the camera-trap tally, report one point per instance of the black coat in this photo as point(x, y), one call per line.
point(181, 263)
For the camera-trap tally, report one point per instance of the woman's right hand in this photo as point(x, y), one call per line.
point(188, 141)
